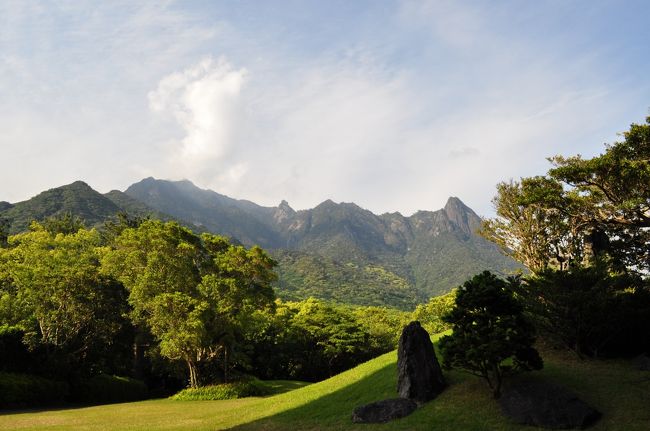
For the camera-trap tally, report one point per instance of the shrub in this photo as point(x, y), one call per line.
point(489, 331)
point(23, 390)
point(225, 391)
point(102, 389)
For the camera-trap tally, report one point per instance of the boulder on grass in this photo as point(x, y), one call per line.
point(643, 362)
point(384, 411)
point(546, 405)
point(419, 374)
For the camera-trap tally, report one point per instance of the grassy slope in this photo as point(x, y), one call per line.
point(615, 387)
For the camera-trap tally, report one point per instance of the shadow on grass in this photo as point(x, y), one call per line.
point(276, 387)
point(66, 406)
point(333, 408)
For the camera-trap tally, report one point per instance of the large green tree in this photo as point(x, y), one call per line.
point(193, 293)
point(582, 210)
point(53, 289)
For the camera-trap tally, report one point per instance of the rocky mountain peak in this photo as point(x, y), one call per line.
point(284, 206)
point(283, 212)
point(461, 215)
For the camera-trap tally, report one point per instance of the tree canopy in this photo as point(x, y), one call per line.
point(581, 210)
point(489, 328)
point(190, 291)
point(54, 291)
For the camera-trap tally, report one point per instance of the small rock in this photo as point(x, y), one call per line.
point(419, 374)
point(546, 405)
point(384, 411)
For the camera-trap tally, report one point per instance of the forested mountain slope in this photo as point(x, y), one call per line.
point(336, 251)
point(430, 252)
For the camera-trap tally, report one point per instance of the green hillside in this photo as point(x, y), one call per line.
point(134, 207)
point(615, 387)
point(304, 275)
point(78, 199)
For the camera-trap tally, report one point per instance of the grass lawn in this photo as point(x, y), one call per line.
point(613, 386)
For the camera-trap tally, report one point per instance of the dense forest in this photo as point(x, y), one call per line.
point(156, 302)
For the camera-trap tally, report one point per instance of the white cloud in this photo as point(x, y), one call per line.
point(204, 100)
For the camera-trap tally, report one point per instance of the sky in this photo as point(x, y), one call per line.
point(393, 105)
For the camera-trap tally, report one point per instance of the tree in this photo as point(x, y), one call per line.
point(489, 328)
point(193, 293)
point(589, 310)
point(581, 211)
point(336, 336)
point(533, 224)
point(4, 232)
point(53, 289)
point(612, 196)
point(65, 223)
point(430, 315)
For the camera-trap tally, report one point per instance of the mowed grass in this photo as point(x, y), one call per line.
point(615, 387)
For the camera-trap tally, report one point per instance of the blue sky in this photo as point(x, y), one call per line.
point(392, 105)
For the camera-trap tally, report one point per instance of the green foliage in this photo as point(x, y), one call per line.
point(21, 390)
point(383, 325)
point(103, 388)
point(65, 223)
point(77, 199)
point(312, 339)
point(489, 329)
point(430, 314)
point(590, 310)
point(338, 337)
point(251, 387)
point(303, 275)
point(53, 289)
point(193, 293)
point(582, 211)
point(443, 261)
point(525, 228)
point(4, 231)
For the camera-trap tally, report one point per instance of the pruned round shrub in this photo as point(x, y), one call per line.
point(23, 390)
point(103, 388)
point(225, 391)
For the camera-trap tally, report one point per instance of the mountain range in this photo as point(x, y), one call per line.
point(335, 251)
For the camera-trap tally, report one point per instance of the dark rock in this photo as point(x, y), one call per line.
point(384, 411)
point(419, 374)
point(643, 363)
point(546, 405)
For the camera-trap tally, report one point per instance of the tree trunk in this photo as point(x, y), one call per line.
point(496, 392)
point(194, 374)
point(225, 364)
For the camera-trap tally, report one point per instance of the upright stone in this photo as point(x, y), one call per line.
point(419, 374)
